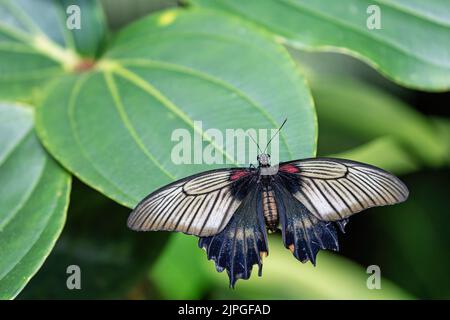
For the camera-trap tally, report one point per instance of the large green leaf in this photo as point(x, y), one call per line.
point(112, 126)
point(34, 196)
point(412, 47)
point(36, 45)
point(284, 277)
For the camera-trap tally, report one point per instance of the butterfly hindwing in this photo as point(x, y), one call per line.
point(242, 243)
point(201, 204)
point(302, 232)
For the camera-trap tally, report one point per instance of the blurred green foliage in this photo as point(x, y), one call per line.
point(112, 259)
point(230, 68)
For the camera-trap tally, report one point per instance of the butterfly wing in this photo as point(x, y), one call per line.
point(201, 204)
point(334, 189)
point(302, 232)
point(243, 242)
point(315, 195)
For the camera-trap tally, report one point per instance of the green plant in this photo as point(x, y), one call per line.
point(104, 105)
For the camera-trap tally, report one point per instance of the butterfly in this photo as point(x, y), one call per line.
point(231, 209)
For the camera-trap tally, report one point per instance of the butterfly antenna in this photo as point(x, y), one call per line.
point(276, 133)
point(254, 142)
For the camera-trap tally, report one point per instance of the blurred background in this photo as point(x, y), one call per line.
point(409, 242)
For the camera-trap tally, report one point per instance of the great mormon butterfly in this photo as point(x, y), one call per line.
point(230, 209)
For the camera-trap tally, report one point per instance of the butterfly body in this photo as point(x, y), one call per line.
point(230, 210)
point(270, 208)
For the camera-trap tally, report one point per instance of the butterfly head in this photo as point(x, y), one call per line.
point(263, 160)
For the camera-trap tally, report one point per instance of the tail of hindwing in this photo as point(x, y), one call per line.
point(242, 243)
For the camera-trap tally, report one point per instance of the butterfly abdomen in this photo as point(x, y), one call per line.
point(270, 208)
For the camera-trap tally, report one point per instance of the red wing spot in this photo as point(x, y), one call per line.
point(289, 168)
point(238, 174)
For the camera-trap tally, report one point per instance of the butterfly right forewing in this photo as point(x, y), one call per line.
point(334, 189)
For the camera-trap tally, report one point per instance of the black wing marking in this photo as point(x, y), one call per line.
point(201, 204)
point(302, 232)
point(242, 243)
point(334, 189)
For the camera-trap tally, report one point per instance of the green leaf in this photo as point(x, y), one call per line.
point(112, 126)
point(90, 38)
point(121, 13)
point(443, 127)
point(402, 49)
point(36, 45)
point(284, 277)
point(384, 152)
point(34, 197)
point(112, 259)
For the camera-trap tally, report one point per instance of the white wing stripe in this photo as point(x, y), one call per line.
point(206, 187)
point(327, 196)
point(349, 198)
point(315, 196)
point(210, 211)
point(138, 218)
point(340, 203)
point(167, 210)
point(162, 206)
point(362, 188)
point(356, 191)
point(205, 211)
point(182, 211)
point(385, 178)
point(194, 214)
point(396, 193)
point(149, 205)
point(210, 181)
point(380, 188)
point(372, 191)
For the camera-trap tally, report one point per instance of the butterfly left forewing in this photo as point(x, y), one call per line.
point(200, 205)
